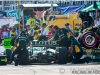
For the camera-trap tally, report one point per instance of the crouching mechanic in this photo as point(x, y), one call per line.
point(23, 41)
point(77, 51)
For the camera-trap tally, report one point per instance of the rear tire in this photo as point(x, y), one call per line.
point(63, 55)
point(24, 59)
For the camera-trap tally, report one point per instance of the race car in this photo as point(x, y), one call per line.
point(41, 51)
point(44, 51)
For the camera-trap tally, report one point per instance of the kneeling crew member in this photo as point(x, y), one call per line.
point(77, 51)
point(23, 41)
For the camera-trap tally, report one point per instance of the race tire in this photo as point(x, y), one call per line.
point(88, 40)
point(63, 55)
point(24, 59)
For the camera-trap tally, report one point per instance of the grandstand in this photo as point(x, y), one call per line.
point(13, 4)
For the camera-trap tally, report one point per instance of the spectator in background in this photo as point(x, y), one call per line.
point(13, 31)
point(89, 19)
point(4, 33)
point(96, 19)
point(32, 21)
point(43, 30)
point(68, 26)
point(51, 32)
point(86, 17)
point(16, 25)
point(42, 33)
point(29, 30)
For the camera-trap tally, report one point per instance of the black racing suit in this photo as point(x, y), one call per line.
point(77, 52)
point(22, 40)
point(63, 36)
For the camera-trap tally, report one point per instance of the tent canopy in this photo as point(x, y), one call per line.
point(91, 8)
point(38, 5)
point(70, 8)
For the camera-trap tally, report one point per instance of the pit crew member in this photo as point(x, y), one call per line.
point(23, 41)
point(77, 51)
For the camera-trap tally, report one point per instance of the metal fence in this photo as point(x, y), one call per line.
point(13, 4)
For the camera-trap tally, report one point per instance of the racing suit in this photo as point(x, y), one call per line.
point(21, 49)
point(63, 36)
point(77, 52)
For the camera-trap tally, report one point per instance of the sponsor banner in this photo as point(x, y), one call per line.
point(4, 21)
point(13, 13)
point(59, 20)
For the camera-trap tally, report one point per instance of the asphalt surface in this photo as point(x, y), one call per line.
point(54, 69)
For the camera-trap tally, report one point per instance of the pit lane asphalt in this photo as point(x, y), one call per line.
point(53, 69)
